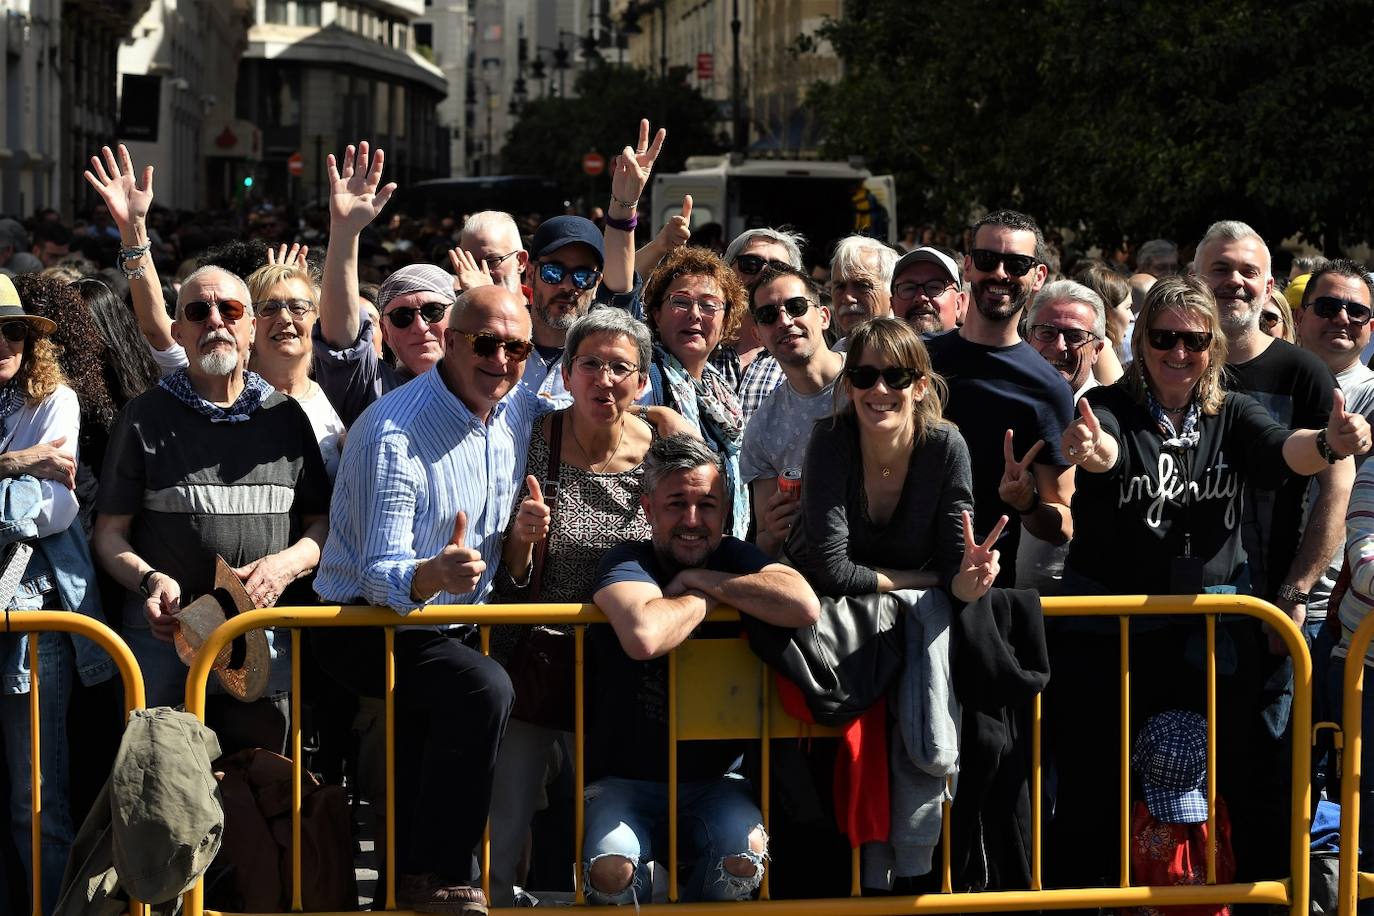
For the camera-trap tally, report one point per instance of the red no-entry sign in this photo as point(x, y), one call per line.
point(593, 163)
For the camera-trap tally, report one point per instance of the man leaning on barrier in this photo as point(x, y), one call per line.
point(423, 495)
point(656, 594)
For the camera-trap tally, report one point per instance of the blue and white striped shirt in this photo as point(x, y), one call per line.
point(413, 459)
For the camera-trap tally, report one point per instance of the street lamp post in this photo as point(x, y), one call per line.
point(737, 134)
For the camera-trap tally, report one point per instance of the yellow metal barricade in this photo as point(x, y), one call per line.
point(743, 704)
point(38, 622)
point(1355, 885)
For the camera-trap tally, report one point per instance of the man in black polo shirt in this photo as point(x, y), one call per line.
point(998, 382)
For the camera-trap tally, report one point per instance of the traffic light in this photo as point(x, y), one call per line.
point(247, 181)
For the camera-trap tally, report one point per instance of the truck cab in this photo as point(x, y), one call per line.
point(825, 201)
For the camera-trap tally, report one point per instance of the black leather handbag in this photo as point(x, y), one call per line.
point(844, 662)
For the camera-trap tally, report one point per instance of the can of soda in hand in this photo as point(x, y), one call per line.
point(790, 483)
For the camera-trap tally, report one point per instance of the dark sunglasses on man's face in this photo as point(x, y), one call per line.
point(750, 264)
point(1330, 306)
point(404, 316)
point(486, 344)
point(584, 278)
point(199, 310)
point(1017, 264)
point(14, 331)
point(1193, 341)
point(895, 377)
point(796, 307)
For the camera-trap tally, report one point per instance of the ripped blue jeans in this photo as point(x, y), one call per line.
point(629, 818)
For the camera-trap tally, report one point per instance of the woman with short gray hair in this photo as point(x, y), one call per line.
point(580, 498)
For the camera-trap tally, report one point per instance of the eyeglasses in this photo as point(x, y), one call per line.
point(199, 310)
point(270, 308)
point(486, 344)
point(933, 289)
point(403, 316)
point(1193, 341)
point(593, 366)
point(709, 307)
point(1017, 264)
point(767, 314)
point(1269, 320)
point(1330, 307)
point(895, 377)
point(1073, 337)
point(584, 278)
point(494, 261)
point(15, 331)
point(750, 264)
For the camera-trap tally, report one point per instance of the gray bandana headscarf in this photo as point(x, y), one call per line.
point(416, 278)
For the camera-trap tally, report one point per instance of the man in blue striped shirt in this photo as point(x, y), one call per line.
point(424, 492)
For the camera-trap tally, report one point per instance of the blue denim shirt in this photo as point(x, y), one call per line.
point(61, 565)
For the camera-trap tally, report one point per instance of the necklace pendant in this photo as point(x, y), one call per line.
point(887, 472)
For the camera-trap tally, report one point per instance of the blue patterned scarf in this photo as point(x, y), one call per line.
point(1178, 439)
point(711, 407)
point(255, 389)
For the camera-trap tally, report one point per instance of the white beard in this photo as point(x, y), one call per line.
point(219, 362)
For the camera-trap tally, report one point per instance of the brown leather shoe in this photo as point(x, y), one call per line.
point(430, 893)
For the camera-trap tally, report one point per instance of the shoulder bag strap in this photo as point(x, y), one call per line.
point(550, 498)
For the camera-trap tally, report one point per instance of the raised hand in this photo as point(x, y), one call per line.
point(630, 170)
point(455, 569)
point(678, 230)
point(981, 563)
point(1081, 437)
point(114, 181)
point(468, 272)
point(1346, 433)
point(294, 257)
point(1017, 487)
point(532, 519)
point(354, 197)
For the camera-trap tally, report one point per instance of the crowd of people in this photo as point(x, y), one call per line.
point(480, 415)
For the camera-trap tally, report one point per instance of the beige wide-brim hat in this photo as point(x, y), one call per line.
point(243, 666)
point(12, 309)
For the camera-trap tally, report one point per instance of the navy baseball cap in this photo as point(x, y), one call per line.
point(553, 234)
point(1170, 755)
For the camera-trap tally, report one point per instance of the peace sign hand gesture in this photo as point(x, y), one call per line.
point(630, 171)
point(981, 563)
point(1017, 487)
point(354, 198)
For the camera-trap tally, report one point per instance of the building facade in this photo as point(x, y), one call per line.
point(320, 74)
point(442, 36)
point(177, 75)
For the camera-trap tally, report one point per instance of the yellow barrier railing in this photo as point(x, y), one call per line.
point(1291, 892)
point(1354, 884)
point(35, 623)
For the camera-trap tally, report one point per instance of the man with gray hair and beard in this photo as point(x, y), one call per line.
point(212, 461)
point(1286, 558)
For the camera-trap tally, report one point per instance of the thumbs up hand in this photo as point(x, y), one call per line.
point(677, 231)
point(531, 522)
point(1081, 437)
point(1346, 433)
point(455, 569)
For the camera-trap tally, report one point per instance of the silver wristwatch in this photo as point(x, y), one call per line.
point(1291, 594)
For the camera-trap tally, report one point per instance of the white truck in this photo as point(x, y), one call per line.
point(823, 200)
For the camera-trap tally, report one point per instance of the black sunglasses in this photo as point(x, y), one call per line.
point(583, 278)
point(750, 264)
point(895, 377)
point(404, 316)
point(1193, 341)
point(486, 344)
point(1073, 337)
point(796, 307)
point(15, 331)
point(1017, 264)
point(198, 310)
point(1330, 307)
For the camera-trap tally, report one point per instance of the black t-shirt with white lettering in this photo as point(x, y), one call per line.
point(1129, 522)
